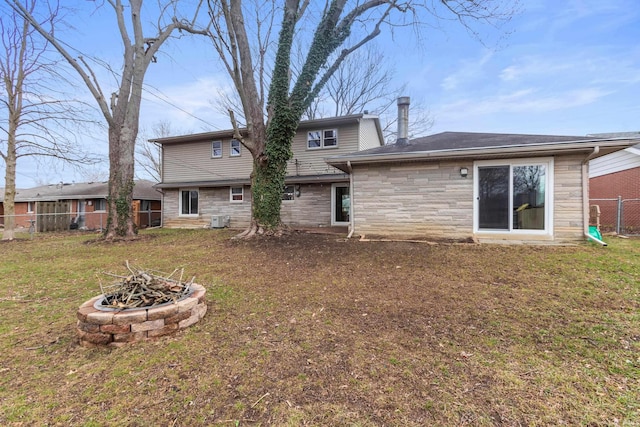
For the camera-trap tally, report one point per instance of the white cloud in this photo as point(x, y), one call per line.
point(528, 101)
point(468, 71)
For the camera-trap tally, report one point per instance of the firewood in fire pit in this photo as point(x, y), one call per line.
point(144, 288)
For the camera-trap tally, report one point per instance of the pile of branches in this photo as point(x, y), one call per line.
point(144, 289)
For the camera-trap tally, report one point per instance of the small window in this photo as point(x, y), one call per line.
point(322, 139)
point(314, 140)
point(235, 148)
point(288, 192)
point(237, 194)
point(189, 202)
point(330, 138)
point(100, 205)
point(216, 149)
point(30, 207)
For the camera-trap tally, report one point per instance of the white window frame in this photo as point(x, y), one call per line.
point(214, 150)
point(235, 148)
point(548, 162)
point(197, 213)
point(231, 194)
point(322, 138)
point(29, 207)
point(289, 196)
point(333, 137)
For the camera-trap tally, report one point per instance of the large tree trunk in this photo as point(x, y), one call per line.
point(10, 179)
point(121, 182)
point(8, 233)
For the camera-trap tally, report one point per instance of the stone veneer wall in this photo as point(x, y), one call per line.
point(117, 328)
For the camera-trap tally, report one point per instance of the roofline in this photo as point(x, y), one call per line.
point(291, 179)
point(228, 133)
point(480, 152)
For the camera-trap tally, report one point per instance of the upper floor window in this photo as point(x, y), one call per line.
point(216, 149)
point(235, 148)
point(189, 202)
point(236, 194)
point(322, 138)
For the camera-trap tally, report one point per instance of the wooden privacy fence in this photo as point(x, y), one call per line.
point(53, 216)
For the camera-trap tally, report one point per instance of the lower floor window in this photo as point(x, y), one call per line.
point(100, 205)
point(236, 194)
point(513, 195)
point(189, 202)
point(288, 192)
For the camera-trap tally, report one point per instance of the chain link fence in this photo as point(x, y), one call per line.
point(63, 221)
point(619, 215)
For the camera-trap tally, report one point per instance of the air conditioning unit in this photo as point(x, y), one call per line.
point(220, 221)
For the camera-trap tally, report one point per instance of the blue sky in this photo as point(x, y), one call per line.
point(565, 67)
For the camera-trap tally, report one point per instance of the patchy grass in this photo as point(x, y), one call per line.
point(315, 330)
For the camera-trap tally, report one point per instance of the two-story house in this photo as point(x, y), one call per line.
point(206, 176)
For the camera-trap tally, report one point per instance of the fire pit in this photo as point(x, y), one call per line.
point(140, 306)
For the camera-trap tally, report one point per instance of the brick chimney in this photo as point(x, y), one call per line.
point(403, 121)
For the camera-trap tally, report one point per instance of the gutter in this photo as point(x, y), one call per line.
point(352, 225)
point(548, 148)
point(585, 196)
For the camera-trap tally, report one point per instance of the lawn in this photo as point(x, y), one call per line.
point(316, 330)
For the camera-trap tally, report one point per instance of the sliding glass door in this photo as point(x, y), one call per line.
point(512, 196)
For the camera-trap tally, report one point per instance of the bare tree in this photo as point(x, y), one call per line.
point(148, 154)
point(335, 29)
point(38, 117)
point(364, 82)
point(121, 109)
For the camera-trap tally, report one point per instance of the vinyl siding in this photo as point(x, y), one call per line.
point(192, 162)
point(369, 137)
point(311, 162)
point(615, 162)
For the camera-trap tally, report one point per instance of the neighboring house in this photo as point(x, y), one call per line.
point(490, 187)
point(81, 205)
point(206, 177)
point(614, 183)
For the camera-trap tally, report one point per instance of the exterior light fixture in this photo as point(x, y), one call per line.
point(464, 172)
point(297, 190)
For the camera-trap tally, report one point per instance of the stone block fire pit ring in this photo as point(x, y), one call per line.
point(116, 328)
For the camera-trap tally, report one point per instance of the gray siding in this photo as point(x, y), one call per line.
point(211, 201)
point(311, 209)
point(311, 162)
point(192, 162)
point(432, 200)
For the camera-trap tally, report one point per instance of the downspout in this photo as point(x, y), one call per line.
point(351, 216)
point(585, 196)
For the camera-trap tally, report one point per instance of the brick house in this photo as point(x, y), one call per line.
point(614, 185)
point(58, 207)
